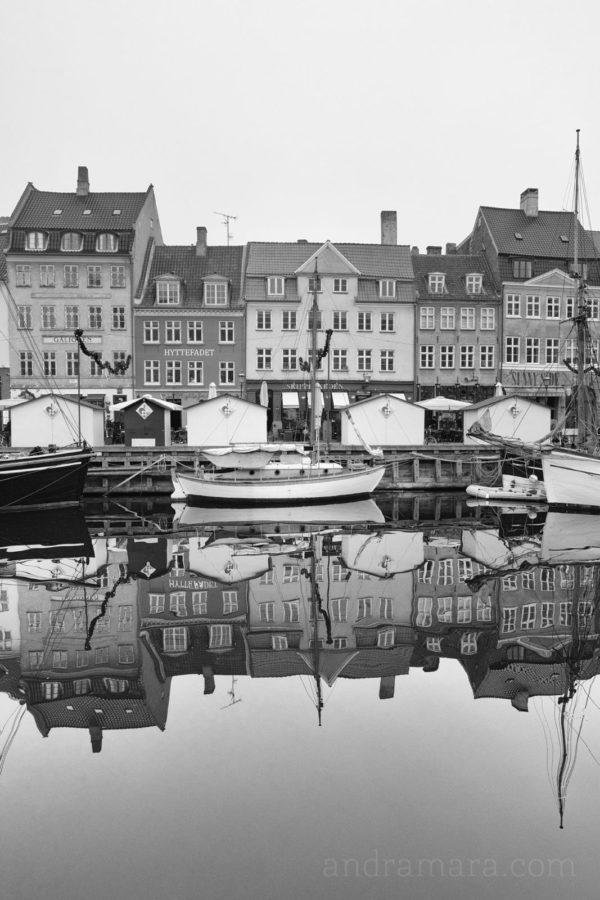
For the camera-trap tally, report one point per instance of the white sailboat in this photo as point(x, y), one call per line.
point(279, 474)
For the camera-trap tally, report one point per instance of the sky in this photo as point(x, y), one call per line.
point(302, 118)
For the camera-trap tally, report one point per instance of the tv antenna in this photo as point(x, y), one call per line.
point(226, 220)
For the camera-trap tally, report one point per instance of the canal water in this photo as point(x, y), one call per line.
point(372, 700)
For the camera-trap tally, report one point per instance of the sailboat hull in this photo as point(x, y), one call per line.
point(43, 479)
point(299, 488)
point(571, 479)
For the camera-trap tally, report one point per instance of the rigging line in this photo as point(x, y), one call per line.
point(12, 735)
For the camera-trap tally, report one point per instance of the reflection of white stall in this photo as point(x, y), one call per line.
point(54, 419)
point(510, 417)
point(225, 420)
point(383, 420)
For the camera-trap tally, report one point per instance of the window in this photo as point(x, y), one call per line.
point(340, 285)
point(532, 307)
point(34, 622)
point(444, 610)
point(220, 636)
point(386, 608)
point(290, 360)
point(72, 364)
point(314, 284)
point(593, 304)
point(173, 331)
point(195, 372)
point(447, 318)
point(310, 321)
point(194, 331)
point(487, 318)
point(387, 289)
point(95, 317)
point(365, 362)
point(289, 320)
point(386, 360)
point(46, 276)
point(151, 331)
point(487, 354)
point(26, 363)
point(474, 283)
point(36, 659)
point(119, 361)
point(118, 318)
point(59, 659)
point(226, 332)
point(339, 609)
point(339, 360)
point(175, 640)
point(532, 350)
point(445, 572)
point(385, 638)
point(484, 609)
point(51, 690)
point(571, 351)
point(157, 603)
point(23, 317)
point(71, 242)
point(427, 318)
point(552, 350)
point(167, 293)
point(199, 603)
point(71, 317)
point(279, 642)
point(48, 314)
point(511, 349)
point(107, 243)
point(513, 306)
point(263, 319)
point(467, 357)
point(424, 605)
point(57, 620)
point(263, 359)
point(117, 276)
point(177, 604)
point(468, 643)
point(364, 321)
point(215, 293)
point(291, 611)
point(173, 373)
point(547, 615)
point(95, 369)
point(275, 286)
point(446, 356)
point(266, 612)
point(437, 283)
point(463, 613)
point(340, 321)
point(467, 318)
point(528, 616)
point(365, 610)
point(70, 276)
point(426, 356)
point(521, 268)
point(386, 321)
point(509, 619)
point(565, 617)
point(510, 583)
point(226, 373)
point(23, 276)
point(94, 276)
point(553, 307)
point(36, 240)
point(151, 371)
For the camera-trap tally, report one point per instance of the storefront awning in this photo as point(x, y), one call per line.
point(340, 399)
point(289, 400)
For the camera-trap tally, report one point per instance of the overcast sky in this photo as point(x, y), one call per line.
point(303, 118)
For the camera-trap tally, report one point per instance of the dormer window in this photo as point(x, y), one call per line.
point(215, 293)
point(107, 243)
point(474, 283)
point(36, 240)
point(71, 242)
point(437, 283)
point(275, 286)
point(387, 289)
point(314, 284)
point(167, 292)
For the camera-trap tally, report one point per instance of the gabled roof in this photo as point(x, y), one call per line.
point(371, 260)
point(38, 210)
point(184, 263)
point(329, 260)
point(540, 235)
point(455, 267)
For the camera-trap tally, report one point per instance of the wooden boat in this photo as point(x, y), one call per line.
point(43, 479)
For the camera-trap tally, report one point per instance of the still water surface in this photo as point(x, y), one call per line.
point(163, 681)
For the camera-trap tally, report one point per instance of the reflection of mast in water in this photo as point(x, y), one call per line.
point(231, 694)
point(6, 740)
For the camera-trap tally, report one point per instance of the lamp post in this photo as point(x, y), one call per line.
point(242, 378)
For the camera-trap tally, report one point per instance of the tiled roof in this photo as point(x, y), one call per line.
point(3, 246)
point(38, 210)
point(540, 235)
point(372, 260)
point(455, 267)
point(192, 269)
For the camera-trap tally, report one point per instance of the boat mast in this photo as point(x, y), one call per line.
point(315, 610)
point(580, 315)
point(314, 420)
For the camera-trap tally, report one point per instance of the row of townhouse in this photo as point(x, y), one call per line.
point(494, 308)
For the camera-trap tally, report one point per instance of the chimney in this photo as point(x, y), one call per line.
point(389, 229)
point(450, 248)
point(434, 251)
point(529, 202)
point(414, 251)
point(96, 738)
point(83, 182)
point(209, 679)
point(201, 234)
point(386, 687)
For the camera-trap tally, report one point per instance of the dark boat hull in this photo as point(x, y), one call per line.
point(43, 479)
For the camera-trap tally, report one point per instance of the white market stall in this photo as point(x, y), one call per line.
point(510, 417)
point(54, 419)
point(383, 420)
point(225, 420)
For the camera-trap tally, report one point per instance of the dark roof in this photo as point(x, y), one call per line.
point(540, 235)
point(372, 260)
point(455, 267)
point(3, 246)
point(184, 263)
point(38, 210)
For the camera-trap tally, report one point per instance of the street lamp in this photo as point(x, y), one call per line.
point(242, 378)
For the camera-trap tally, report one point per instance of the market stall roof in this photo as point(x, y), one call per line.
point(443, 404)
point(116, 407)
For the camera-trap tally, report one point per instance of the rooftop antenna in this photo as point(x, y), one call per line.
point(226, 220)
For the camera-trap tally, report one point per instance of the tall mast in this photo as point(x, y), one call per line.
point(580, 315)
point(314, 421)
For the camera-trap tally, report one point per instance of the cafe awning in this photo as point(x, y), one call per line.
point(340, 399)
point(290, 400)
